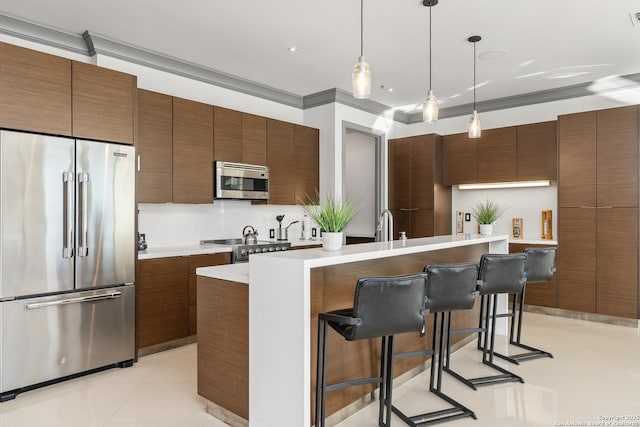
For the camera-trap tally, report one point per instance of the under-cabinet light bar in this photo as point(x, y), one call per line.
point(490, 185)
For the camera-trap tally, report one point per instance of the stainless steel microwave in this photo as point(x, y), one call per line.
point(241, 181)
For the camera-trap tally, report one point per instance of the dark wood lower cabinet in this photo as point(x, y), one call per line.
point(577, 259)
point(196, 261)
point(544, 294)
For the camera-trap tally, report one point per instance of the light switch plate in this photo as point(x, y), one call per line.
point(467, 217)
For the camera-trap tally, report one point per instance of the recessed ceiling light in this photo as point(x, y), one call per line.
point(635, 19)
point(489, 55)
point(293, 49)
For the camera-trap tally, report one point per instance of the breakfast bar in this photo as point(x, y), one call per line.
point(274, 320)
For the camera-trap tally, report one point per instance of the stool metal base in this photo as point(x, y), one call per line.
point(457, 409)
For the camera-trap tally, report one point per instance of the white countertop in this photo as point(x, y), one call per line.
point(231, 272)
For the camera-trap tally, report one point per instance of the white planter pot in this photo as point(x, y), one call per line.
point(486, 229)
point(331, 241)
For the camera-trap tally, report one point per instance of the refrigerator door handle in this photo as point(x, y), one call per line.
point(67, 180)
point(83, 180)
point(91, 298)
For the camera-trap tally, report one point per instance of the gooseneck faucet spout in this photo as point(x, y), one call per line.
point(385, 237)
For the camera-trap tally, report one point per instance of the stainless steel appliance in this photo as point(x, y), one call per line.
point(240, 251)
point(240, 181)
point(67, 245)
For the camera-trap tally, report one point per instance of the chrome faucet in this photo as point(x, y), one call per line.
point(379, 227)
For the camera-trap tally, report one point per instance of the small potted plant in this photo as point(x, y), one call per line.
point(486, 213)
point(332, 216)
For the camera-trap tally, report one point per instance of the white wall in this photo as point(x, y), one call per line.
point(360, 180)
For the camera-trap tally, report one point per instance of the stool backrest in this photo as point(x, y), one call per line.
point(540, 264)
point(451, 286)
point(388, 306)
point(501, 273)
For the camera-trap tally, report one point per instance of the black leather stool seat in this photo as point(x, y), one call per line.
point(539, 267)
point(382, 307)
point(449, 287)
point(498, 274)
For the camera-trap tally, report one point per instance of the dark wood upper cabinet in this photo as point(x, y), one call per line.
point(422, 172)
point(537, 151)
point(35, 90)
point(192, 152)
point(459, 160)
point(496, 152)
point(617, 156)
point(307, 166)
point(280, 159)
point(227, 135)
point(154, 146)
point(399, 174)
point(577, 160)
point(254, 139)
point(104, 103)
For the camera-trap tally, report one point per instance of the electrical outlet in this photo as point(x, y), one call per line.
point(314, 232)
point(272, 233)
point(467, 217)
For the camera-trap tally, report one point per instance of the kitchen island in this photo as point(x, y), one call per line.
point(285, 293)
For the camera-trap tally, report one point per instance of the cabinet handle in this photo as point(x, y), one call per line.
point(587, 207)
point(605, 207)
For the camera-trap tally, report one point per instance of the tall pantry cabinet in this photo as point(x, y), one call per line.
point(598, 212)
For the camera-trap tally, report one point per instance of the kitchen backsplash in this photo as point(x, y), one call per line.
point(171, 224)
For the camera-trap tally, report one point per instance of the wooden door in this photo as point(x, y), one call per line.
point(577, 160)
point(307, 164)
point(459, 161)
point(104, 103)
point(227, 135)
point(280, 159)
point(163, 299)
point(617, 266)
point(422, 175)
point(399, 174)
point(421, 224)
point(617, 157)
point(35, 90)
point(192, 152)
point(254, 139)
point(537, 151)
point(154, 147)
point(577, 259)
point(497, 155)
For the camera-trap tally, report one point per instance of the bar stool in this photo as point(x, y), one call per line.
point(449, 287)
point(539, 267)
point(382, 307)
point(499, 274)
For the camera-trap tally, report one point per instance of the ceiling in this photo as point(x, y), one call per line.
point(526, 46)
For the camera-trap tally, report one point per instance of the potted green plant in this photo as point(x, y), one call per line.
point(332, 216)
point(486, 213)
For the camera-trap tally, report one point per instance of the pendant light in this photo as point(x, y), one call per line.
point(430, 106)
point(361, 72)
point(475, 125)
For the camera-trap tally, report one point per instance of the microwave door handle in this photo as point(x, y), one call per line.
point(67, 180)
point(83, 180)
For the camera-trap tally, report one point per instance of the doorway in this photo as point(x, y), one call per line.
point(364, 175)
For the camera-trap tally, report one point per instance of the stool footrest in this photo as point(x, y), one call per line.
point(413, 353)
point(361, 381)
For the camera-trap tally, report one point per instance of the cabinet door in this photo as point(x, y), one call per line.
point(459, 161)
point(399, 174)
point(103, 103)
point(280, 149)
point(154, 146)
point(497, 155)
point(617, 157)
point(163, 298)
point(227, 135)
point(35, 90)
point(196, 261)
point(421, 162)
point(401, 222)
point(617, 267)
point(537, 151)
point(307, 164)
point(421, 224)
point(192, 152)
point(577, 259)
point(577, 160)
point(254, 139)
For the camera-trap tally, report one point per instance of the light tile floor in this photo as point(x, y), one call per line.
point(595, 374)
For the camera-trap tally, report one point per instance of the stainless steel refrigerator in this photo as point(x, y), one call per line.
point(67, 218)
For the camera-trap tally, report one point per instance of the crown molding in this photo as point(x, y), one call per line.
point(39, 33)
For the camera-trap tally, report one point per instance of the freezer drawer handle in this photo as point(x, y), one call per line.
point(110, 295)
point(67, 180)
point(83, 249)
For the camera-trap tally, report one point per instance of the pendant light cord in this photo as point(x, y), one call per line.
point(361, 27)
point(430, 26)
point(474, 76)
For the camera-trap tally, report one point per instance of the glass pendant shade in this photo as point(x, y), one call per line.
point(475, 125)
point(361, 79)
point(430, 108)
